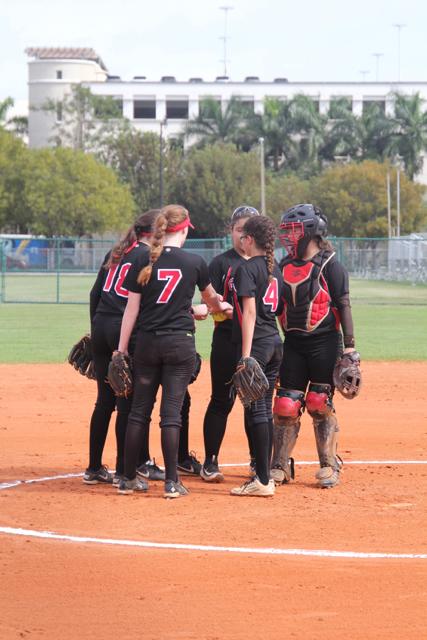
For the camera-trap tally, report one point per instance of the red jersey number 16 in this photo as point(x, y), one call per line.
point(271, 296)
point(172, 277)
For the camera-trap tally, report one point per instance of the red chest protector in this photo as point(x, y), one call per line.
point(307, 298)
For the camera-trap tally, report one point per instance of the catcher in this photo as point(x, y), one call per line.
point(257, 295)
point(317, 302)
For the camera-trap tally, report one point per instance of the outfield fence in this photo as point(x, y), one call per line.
point(62, 270)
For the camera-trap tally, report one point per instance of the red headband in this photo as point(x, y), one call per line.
point(182, 225)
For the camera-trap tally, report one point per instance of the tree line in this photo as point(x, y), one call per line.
point(101, 171)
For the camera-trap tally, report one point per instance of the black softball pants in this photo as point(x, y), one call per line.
point(105, 339)
point(309, 359)
point(223, 364)
point(165, 359)
point(268, 353)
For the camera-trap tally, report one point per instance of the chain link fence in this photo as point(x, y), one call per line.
point(62, 270)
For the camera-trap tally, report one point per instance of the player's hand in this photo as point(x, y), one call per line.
point(349, 350)
point(200, 311)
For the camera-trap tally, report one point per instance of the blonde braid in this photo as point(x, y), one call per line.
point(157, 241)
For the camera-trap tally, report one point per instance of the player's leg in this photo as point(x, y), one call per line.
point(104, 407)
point(178, 355)
point(319, 403)
point(222, 366)
point(264, 352)
point(187, 460)
point(288, 407)
point(147, 377)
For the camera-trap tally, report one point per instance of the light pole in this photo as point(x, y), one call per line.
point(388, 204)
point(399, 26)
point(161, 187)
point(262, 174)
point(398, 198)
point(225, 38)
point(377, 57)
point(363, 73)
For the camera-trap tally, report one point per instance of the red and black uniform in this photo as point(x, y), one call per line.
point(165, 348)
point(316, 303)
point(222, 270)
point(252, 281)
point(108, 299)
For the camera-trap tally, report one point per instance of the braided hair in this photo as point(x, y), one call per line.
point(169, 217)
point(263, 230)
point(141, 227)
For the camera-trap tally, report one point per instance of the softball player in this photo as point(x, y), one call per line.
point(317, 302)
point(257, 294)
point(222, 270)
point(161, 287)
point(108, 299)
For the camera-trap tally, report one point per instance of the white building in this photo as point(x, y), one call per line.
point(148, 103)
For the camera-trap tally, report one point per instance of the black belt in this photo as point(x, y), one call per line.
point(171, 332)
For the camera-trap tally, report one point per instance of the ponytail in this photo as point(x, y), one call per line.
point(141, 227)
point(157, 241)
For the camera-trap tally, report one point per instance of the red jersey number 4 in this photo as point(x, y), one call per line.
point(172, 277)
point(271, 296)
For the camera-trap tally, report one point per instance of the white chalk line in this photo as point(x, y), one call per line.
point(318, 553)
point(16, 483)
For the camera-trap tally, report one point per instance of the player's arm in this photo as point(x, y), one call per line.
point(339, 289)
point(129, 319)
point(96, 291)
point(248, 325)
point(213, 300)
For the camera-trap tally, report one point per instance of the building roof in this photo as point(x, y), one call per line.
point(65, 53)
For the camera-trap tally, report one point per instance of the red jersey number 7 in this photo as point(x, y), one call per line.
point(271, 296)
point(172, 277)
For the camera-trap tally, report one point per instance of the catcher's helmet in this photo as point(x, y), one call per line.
point(244, 211)
point(299, 225)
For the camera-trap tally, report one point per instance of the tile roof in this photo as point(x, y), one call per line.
point(67, 53)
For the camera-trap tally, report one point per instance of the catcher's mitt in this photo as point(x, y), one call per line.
point(197, 367)
point(347, 376)
point(120, 374)
point(80, 357)
point(249, 381)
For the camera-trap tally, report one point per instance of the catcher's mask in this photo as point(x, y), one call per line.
point(299, 225)
point(346, 376)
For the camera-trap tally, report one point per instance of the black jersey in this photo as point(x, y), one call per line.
point(167, 297)
point(312, 293)
point(222, 270)
point(251, 280)
point(109, 295)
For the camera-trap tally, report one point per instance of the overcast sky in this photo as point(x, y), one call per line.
point(301, 40)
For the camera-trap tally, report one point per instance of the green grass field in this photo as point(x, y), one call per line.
point(390, 321)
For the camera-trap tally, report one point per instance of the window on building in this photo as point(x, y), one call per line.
point(372, 104)
point(177, 109)
point(144, 109)
point(59, 75)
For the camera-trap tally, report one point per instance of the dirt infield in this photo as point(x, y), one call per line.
point(51, 588)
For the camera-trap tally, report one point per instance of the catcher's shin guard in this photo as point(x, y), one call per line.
point(288, 406)
point(326, 433)
point(319, 400)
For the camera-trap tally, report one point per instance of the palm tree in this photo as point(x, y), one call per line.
point(409, 137)
point(308, 128)
point(343, 132)
point(215, 125)
point(17, 124)
point(276, 127)
point(377, 133)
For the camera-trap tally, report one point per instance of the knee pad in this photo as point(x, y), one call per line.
point(288, 403)
point(319, 400)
